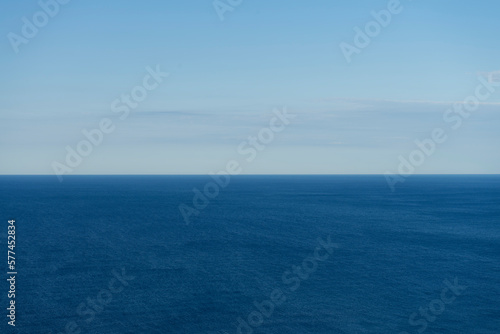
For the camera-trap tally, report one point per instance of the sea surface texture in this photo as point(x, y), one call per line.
point(263, 254)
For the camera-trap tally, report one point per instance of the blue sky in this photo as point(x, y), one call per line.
point(226, 77)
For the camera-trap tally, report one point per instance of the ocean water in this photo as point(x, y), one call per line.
point(268, 254)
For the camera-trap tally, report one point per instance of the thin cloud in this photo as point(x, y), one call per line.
point(361, 100)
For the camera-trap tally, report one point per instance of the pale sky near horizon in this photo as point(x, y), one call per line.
point(226, 78)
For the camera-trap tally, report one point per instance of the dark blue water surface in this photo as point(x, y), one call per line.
point(393, 253)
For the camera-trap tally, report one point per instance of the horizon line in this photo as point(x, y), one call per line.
point(266, 174)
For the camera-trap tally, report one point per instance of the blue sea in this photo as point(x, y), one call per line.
point(264, 254)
